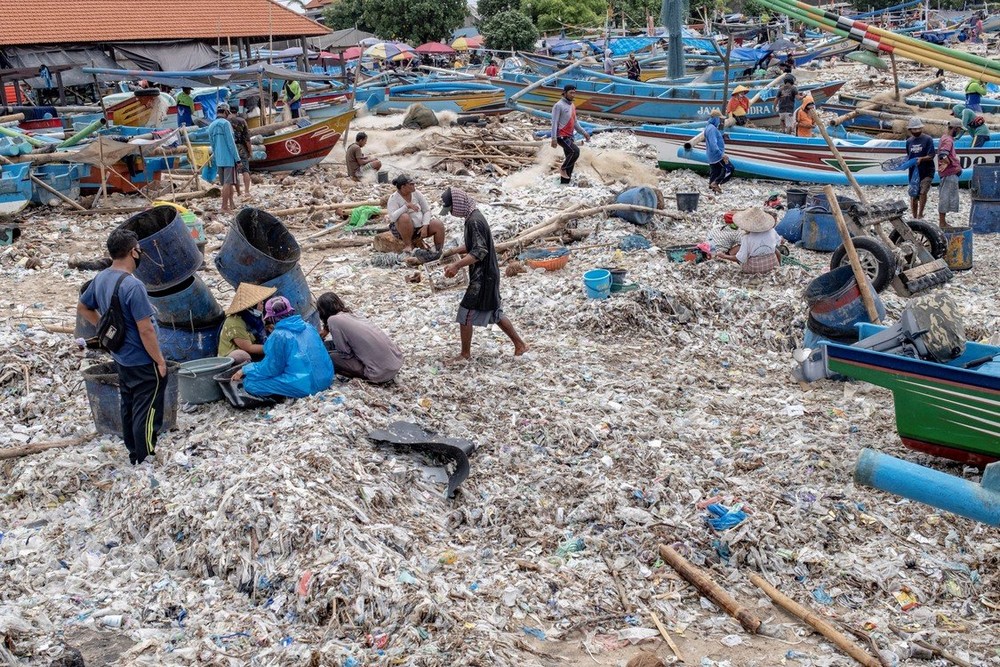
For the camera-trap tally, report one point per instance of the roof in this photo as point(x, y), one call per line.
point(316, 4)
point(88, 21)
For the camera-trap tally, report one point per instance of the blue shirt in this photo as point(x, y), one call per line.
point(921, 146)
point(220, 134)
point(135, 308)
point(715, 146)
point(295, 363)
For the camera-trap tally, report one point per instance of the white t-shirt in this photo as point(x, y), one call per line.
point(755, 244)
point(397, 206)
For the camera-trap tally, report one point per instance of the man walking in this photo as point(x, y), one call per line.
point(949, 168)
point(788, 94)
point(564, 125)
point(142, 370)
point(220, 135)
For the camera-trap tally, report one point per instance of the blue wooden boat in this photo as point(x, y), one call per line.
point(455, 96)
point(621, 99)
point(15, 187)
point(64, 178)
point(989, 105)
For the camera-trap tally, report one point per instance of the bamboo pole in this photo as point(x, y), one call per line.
point(26, 450)
point(544, 80)
point(895, 74)
point(45, 186)
point(852, 255)
point(12, 118)
point(697, 578)
point(840, 158)
point(874, 105)
point(325, 207)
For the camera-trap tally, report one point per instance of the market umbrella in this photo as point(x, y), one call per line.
point(405, 55)
point(387, 50)
point(466, 43)
point(435, 48)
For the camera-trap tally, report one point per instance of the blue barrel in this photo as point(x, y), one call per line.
point(984, 218)
point(819, 231)
point(959, 253)
point(184, 343)
point(258, 248)
point(170, 255)
point(637, 197)
point(985, 184)
point(790, 227)
point(835, 302)
point(293, 286)
point(189, 304)
point(796, 197)
point(101, 382)
point(64, 178)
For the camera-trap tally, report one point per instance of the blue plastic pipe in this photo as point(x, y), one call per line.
point(980, 502)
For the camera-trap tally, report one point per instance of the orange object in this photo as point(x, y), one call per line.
point(550, 264)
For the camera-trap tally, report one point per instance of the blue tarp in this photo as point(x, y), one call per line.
point(620, 47)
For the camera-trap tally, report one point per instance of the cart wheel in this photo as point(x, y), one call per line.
point(876, 259)
point(932, 238)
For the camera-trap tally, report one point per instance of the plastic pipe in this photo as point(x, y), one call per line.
point(980, 502)
point(84, 133)
point(14, 134)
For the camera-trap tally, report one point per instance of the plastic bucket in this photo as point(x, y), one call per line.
point(687, 201)
point(186, 344)
point(101, 383)
point(790, 227)
point(985, 185)
point(258, 248)
point(984, 218)
point(637, 197)
point(796, 197)
point(597, 283)
point(835, 302)
point(196, 380)
point(959, 252)
point(170, 255)
point(189, 303)
point(819, 232)
point(293, 286)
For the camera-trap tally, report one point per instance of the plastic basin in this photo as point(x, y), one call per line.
point(196, 381)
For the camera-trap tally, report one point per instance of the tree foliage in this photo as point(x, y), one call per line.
point(552, 15)
point(411, 21)
point(343, 14)
point(487, 9)
point(509, 30)
point(635, 12)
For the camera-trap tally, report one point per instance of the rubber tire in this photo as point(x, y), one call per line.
point(933, 238)
point(876, 250)
point(845, 336)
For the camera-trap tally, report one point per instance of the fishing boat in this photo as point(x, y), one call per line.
point(642, 102)
point(63, 178)
point(15, 187)
point(759, 153)
point(700, 68)
point(989, 106)
point(455, 96)
point(302, 147)
point(945, 409)
point(128, 175)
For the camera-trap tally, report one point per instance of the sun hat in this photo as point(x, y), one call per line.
point(915, 123)
point(754, 219)
point(222, 107)
point(954, 123)
point(249, 295)
point(277, 308)
point(741, 89)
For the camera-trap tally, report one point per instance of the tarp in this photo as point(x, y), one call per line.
point(34, 57)
point(215, 77)
point(338, 39)
point(169, 56)
point(620, 47)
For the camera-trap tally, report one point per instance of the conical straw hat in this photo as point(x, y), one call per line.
point(754, 220)
point(249, 295)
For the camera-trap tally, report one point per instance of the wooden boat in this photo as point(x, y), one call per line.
point(64, 178)
point(643, 102)
point(944, 409)
point(302, 147)
point(696, 67)
point(15, 187)
point(127, 176)
point(455, 96)
point(989, 106)
point(762, 154)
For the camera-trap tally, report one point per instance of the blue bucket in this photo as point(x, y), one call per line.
point(835, 301)
point(819, 232)
point(170, 255)
point(985, 185)
point(984, 218)
point(189, 303)
point(258, 248)
point(186, 344)
point(292, 285)
point(638, 197)
point(790, 227)
point(597, 283)
point(959, 253)
point(101, 382)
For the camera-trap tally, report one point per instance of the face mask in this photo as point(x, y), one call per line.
point(138, 259)
point(255, 312)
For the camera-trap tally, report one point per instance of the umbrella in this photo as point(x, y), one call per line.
point(349, 54)
point(435, 48)
point(405, 55)
point(386, 50)
point(781, 45)
point(466, 43)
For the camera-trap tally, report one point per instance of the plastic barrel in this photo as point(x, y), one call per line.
point(196, 381)
point(293, 286)
point(189, 303)
point(790, 227)
point(959, 253)
point(984, 218)
point(597, 283)
point(835, 302)
point(185, 344)
point(818, 198)
point(819, 232)
point(101, 383)
point(258, 248)
point(638, 197)
point(170, 255)
point(687, 201)
point(796, 197)
point(985, 185)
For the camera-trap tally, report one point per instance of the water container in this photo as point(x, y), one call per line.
point(687, 202)
point(835, 302)
point(101, 382)
point(293, 286)
point(790, 227)
point(186, 343)
point(637, 197)
point(796, 197)
point(197, 379)
point(65, 178)
point(818, 199)
point(170, 255)
point(984, 218)
point(597, 283)
point(258, 248)
point(819, 231)
point(189, 304)
point(959, 253)
point(985, 185)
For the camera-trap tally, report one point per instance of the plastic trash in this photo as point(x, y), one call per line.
point(725, 517)
point(534, 632)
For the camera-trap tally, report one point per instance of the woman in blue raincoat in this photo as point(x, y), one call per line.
point(295, 363)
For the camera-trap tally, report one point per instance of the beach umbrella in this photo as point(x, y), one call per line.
point(435, 48)
point(466, 43)
point(387, 50)
point(405, 55)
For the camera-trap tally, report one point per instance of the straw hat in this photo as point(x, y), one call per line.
point(741, 89)
point(249, 295)
point(754, 220)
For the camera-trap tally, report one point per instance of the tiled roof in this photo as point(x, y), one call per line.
point(316, 4)
point(86, 21)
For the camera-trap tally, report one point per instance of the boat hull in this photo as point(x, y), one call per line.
point(304, 147)
point(15, 187)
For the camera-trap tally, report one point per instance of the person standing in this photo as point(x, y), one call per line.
point(480, 306)
point(185, 108)
point(564, 126)
point(949, 168)
point(293, 97)
point(973, 123)
point(788, 94)
point(241, 135)
point(142, 370)
point(360, 349)
point(715, 152)
point(739, 106)
point(919, 147)
point(220, 135)
point(632, 68)
point(974, 91)
point(804, 123)
point(609, 62)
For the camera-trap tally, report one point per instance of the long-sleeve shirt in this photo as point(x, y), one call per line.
point(564, 120)
point(715, 145)
point(220, 133)
point(397, 206)
point(355, 337)
point(803, 123)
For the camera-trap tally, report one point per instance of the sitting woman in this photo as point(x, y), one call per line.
point(295, 362)
point(360, 349)
point(758, 248)
point(242, 336)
